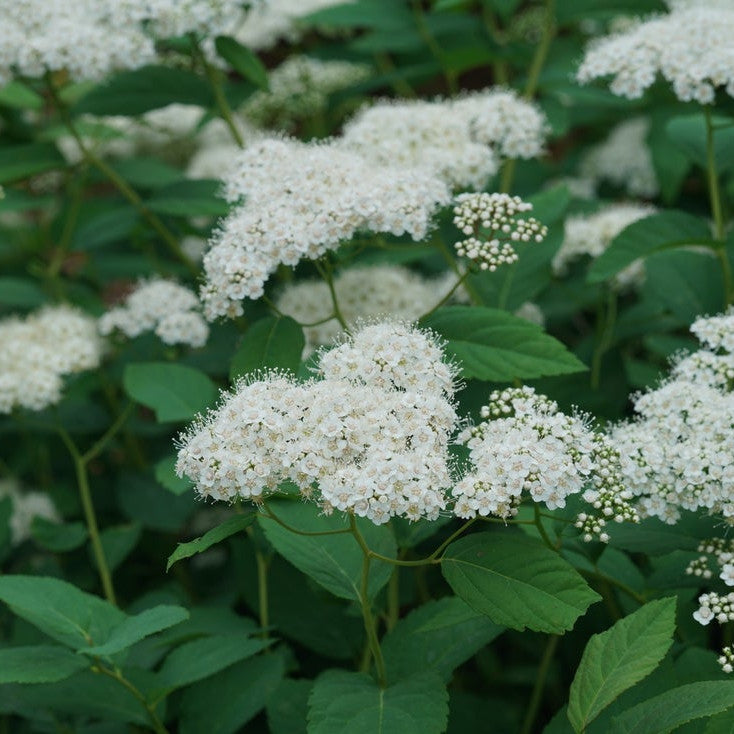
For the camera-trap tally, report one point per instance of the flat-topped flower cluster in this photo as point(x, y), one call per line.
point(371, 434)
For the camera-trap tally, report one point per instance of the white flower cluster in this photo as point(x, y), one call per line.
point(525, 444)
point(690, 48)
point(713, 606)
point(216, 150)
point(677, 452)
point(494, 224)
point(458, 139)
point(173, 18)
point(82, 37)
point(624, 160)
point(363, 293)
point(299, 89)
point(370, 436)
point(722, 551)
point(25, 507)
point(169, 309)
point(37, 351)
point(300, 201)
point(591, 235)
point(274, 20)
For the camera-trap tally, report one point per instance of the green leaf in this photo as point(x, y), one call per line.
point(206, 656)
point(20, 97)
point(165, 473)
point(215, 535)
point(118, 541)
point(225, 702)
point(144, 89)
point(194, 198)
point(333, 561)
point(22, 161)
point(343, 702)
point(437, 636)
point(687, 283)
point(688, 132)
point(242, 60)
point(497, 346)
point(60, 610)
point(642, 238)
point(147, 173)
point(516, 581)
point(173, 391)
point(106, 227)
point(615, 660)
point(138, 627)
point(38, 664)
point(663, 713)
point(272, 342)
point(20, 292)
point(288, 707)
point(58, 538)
point(385, 15)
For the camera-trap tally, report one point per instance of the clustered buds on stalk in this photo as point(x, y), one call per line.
point(494, 226)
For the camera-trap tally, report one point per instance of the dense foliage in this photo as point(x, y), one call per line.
point(366, 366)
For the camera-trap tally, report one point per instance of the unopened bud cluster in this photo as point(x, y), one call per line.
point(726, 659)
point(493, 224)
point(713, 606)
point(722, 549)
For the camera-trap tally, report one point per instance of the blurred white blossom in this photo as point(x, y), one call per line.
point(39, 350)
point(169, 309)
point(591, 235)
point(624, 160)
point(25, 506)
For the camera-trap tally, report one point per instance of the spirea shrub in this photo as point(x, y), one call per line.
point(366, 367)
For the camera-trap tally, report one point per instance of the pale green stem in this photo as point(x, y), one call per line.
point(80, 467)
point(716, 209)
point(607, 321)
point(537, 694)
point(122, 186)
point(156, 723)
point(531, 84)
point(326, 273)
point(433, 46)
point(370, 627)
point(223, 107)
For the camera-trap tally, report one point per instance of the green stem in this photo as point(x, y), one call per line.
point(446, 253)
point(109, 434)
point(537, 693)
point(72, 216)
point(122, 186)
point(543, 534)
point(608, 318)
point(80, 466)
point(156, 723)
point(393, 599)
point(499, 66)
point(541, 52)
point(716, 209)
point(531, 84)
point(272, 516)
point(434, 47)
point(223, 107)
point(385, 64)
point(327, 274)
point(369, 621)
point(262, 592)
point(639, 598)
point(447, 297)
